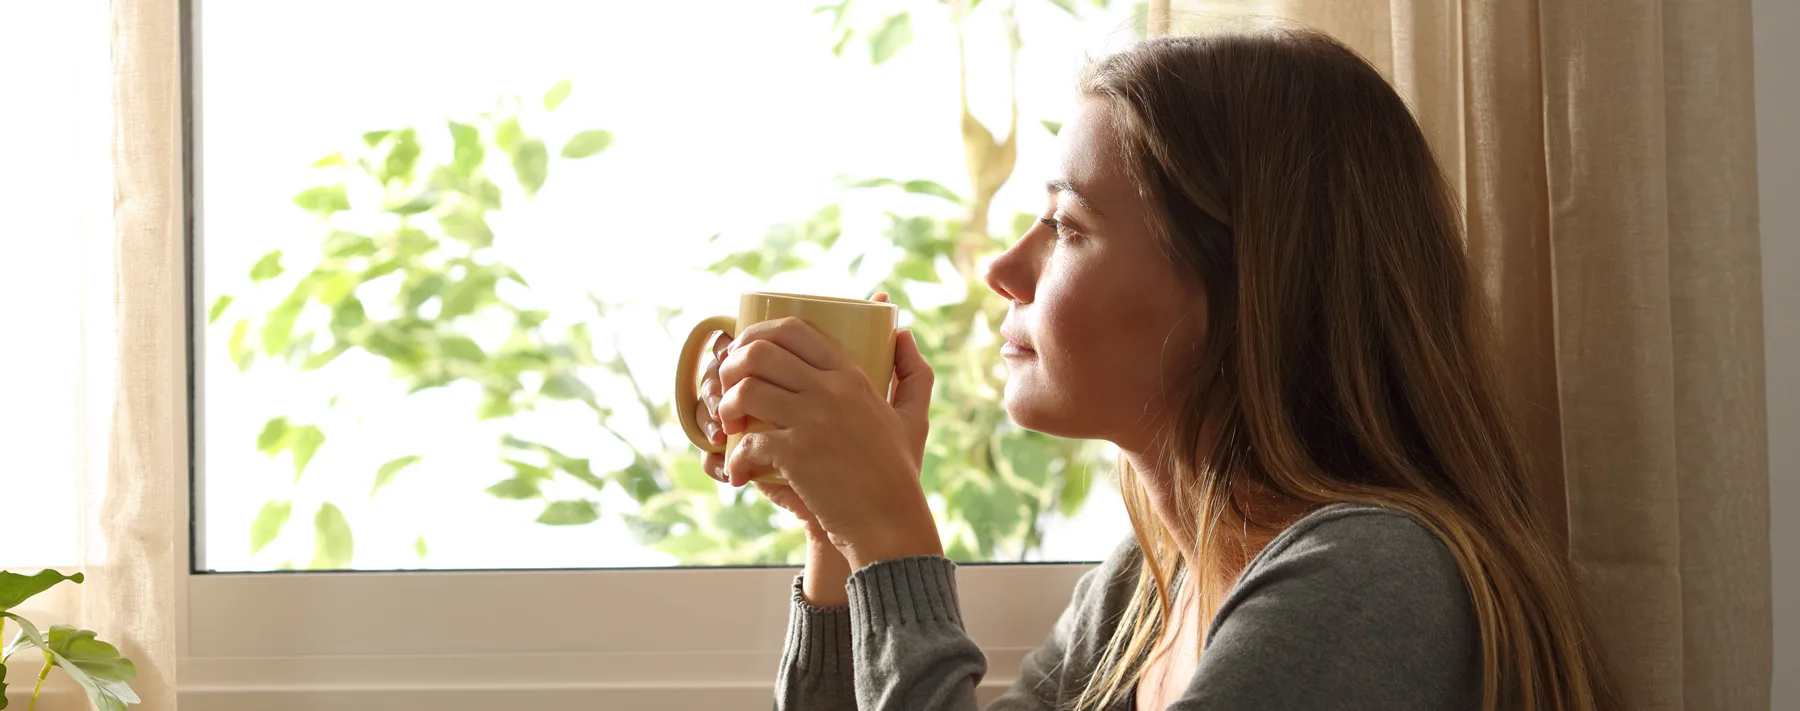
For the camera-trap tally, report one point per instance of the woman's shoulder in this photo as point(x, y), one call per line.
point(1350, 567)
point(1361, 536)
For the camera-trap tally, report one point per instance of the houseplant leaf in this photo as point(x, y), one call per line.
point(268, 523)
point(332, 539)
point(95, 665)
point(587, 143)
point(387, 471)
point(16, 588)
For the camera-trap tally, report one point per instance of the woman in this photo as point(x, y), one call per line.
point(1251, 279)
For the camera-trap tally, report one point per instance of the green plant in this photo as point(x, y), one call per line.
point(993, 480)
point(93, 664)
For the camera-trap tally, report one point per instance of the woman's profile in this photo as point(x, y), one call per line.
point(1249, 277)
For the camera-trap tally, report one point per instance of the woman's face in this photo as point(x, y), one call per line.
point(1100, 321)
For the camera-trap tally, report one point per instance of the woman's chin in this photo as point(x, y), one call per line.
point(1034, 412)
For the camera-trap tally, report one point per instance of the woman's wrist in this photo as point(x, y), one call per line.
point(826, 571)
point(912, 535)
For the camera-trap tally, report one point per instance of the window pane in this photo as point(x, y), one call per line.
point(445, 251)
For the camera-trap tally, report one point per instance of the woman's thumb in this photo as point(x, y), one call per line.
point(912, 380)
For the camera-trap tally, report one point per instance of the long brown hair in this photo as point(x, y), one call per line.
point(1347, 355)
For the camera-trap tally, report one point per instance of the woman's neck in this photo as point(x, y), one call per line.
point(1231, 547)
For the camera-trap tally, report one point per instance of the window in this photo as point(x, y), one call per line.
point(443, 251)
point(438, 253)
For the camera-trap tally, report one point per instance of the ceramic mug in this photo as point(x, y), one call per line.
point(865, 330)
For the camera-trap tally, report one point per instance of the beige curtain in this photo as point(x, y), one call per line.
point(1606, 155)
point(135, 548)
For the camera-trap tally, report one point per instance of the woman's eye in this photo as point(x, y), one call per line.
point(1056, 225)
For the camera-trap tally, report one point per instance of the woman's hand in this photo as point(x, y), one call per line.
point(851, 455)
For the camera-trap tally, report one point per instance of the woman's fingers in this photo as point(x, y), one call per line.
point(755, 451)
point(710, 389)
point(798, 338)
point(912, 381)
point(758, 398)
point(709, 423)
point(766, 360)
point(713, 463)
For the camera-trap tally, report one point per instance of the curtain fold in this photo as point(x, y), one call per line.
point(135, 549)
point(1606, 156)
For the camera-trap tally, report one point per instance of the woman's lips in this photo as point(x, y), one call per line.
point(1014, 350)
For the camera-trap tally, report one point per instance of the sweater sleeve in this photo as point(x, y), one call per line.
point(815, 662)
point(1355, 608)
point(908, 646)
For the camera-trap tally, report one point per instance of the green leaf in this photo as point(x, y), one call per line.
point(333, 544)
point(565, 385)
point(516, 488)
point(349, 244)
point(639, 480)
point(373, 137)
point(507, 135)
point(1068, 6)
point(916, 269)
point(531, 162)
point(2, 684)
point(29, 636)
point(348, 315)
point(387, 471)
point(95, 665)
point(402, 158)
point(469, 151)
point(274, 437)
point(16, 588)
point(419, 546)
point(927, 187)
point(422, 291)
point(320, 360)
point(464, 297)
point(422, 201)
point(267, 268)
point(856, 263)
point(268, 523)
point(240, 354)
point(837, 48)
point(1054, 127)
point(328, 161)
point(587, 143)
point(307, 439)
point(890, 37)
point(218, 308)
point(324, 199)
point(1078, 480)
point(469, 229)
point(280, 327)
point(557, 94)
point(461, 348)
point(688, 476)
point(569, 513)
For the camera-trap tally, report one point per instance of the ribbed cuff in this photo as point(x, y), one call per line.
point(818, 642)
point(905, 591)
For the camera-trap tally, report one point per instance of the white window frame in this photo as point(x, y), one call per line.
point(453, 641)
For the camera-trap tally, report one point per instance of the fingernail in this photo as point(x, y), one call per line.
point(712, 405)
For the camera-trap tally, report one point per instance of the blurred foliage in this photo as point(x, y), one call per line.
point(993, 481)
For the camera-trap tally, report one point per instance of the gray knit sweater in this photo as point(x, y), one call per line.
point(1352, 607)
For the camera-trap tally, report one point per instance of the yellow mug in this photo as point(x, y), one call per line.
point(865, 330)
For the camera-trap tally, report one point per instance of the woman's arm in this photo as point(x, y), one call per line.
point(815, 671)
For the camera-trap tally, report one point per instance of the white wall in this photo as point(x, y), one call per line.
point(1778, 156)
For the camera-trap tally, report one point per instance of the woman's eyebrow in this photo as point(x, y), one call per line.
point(1062, 185)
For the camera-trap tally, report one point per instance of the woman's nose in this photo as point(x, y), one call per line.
point(1012, 275)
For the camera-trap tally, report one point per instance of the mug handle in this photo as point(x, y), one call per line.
point(686, 390)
